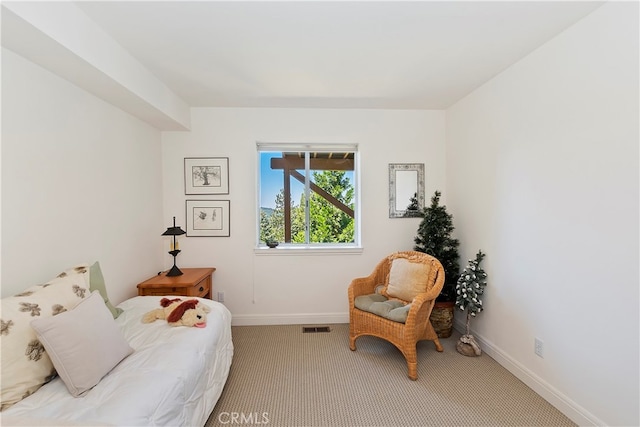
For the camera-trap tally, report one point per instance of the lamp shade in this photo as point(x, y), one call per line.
point(174, 231)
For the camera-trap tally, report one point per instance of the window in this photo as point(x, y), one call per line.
point(307, 195)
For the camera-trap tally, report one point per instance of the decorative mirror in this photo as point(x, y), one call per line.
point(406, 190)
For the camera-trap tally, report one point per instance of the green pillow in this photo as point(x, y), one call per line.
point(96, 283)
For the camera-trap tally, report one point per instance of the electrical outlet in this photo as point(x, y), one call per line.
point(220, 296)
point(539, 347)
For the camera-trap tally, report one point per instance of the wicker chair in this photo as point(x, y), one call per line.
point(417, 326)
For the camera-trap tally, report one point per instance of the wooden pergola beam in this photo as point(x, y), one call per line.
point(315, 164)
point(335, 202)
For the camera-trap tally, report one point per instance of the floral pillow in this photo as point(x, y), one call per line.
point(25, 366)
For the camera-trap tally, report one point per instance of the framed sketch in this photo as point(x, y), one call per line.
point(208, 218)
point(206, 175)
point(406, 190)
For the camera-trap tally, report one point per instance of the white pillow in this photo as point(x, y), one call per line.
point(407, 279)
point(84, 344)
point(25, 365)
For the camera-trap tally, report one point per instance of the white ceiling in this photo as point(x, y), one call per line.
point(334, 54)
point(420, 54)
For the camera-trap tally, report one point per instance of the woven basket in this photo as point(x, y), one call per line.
point(442, 318)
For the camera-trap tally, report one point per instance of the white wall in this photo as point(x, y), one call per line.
point(542, 175)
point(81, 181)
point(297, 289)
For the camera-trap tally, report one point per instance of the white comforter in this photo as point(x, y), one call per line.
point(174, 377)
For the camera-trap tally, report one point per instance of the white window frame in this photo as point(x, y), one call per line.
point(310, 248)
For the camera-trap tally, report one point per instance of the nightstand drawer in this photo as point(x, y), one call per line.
point(201, 289)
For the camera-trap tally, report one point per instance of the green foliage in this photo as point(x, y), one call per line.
point(272, 223)
point(470, 287)
point(434, 238)
point(413, 210)
point(327, 223)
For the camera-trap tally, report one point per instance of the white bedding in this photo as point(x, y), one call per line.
point(174, 377)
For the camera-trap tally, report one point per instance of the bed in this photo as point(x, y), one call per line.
point(173, 376)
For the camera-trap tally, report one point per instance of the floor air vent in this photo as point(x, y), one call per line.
point(312, 329)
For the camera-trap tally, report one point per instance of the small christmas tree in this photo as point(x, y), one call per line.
point(434, 238)
point(413, 210)
point(469, 288)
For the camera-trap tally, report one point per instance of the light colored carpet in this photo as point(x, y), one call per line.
point(283, 377)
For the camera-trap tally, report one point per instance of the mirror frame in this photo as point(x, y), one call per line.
point(405, 167)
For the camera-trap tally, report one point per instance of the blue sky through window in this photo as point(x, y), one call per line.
point(272, 181)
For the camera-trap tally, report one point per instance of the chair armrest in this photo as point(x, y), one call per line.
point(423, 303)
point(362, 286)
point(367, 285)
point(420, 310)
point(435, 290)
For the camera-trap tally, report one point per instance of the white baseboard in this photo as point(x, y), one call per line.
point(563, 403)
point(289, 319)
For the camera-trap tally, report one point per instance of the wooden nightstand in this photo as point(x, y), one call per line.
point(195, 282)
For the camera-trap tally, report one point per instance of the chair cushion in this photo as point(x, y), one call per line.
point(379, 305)
point(407, 279)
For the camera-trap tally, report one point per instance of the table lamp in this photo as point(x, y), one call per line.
point(174, 231)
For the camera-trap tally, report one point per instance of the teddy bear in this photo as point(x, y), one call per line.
point(179, 313)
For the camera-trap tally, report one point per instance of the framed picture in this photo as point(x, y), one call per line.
point(208, 218)
point(206, 175)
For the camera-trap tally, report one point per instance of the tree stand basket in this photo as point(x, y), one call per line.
point(442, 318)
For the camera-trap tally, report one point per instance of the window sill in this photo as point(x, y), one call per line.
point(303, 250)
